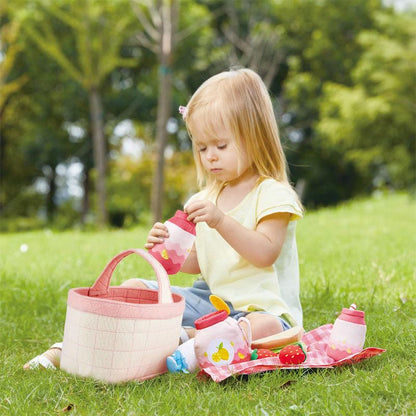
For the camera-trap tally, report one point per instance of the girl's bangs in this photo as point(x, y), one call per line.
point(208, 120)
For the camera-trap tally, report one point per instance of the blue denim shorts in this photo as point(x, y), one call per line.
point(197, 302)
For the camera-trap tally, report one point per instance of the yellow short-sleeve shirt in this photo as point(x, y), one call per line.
point(274, 289)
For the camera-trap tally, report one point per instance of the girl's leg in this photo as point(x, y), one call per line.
point(264, 325)
point(135, 283)
point(187, 332)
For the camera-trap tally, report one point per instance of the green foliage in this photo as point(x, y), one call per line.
point(341, 74)
point(351, 253)
point(34, 140)
point(130, 186)
point(93, 24)
point(322, 44)
point(18, 224)
point(373, 121)
point(9, 49)
point(181, 181)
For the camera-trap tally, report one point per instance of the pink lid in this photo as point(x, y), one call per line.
point(351, 315)
point(211, 319)
point(180, 219)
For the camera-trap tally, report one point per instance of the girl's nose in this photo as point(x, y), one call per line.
point(211, 155)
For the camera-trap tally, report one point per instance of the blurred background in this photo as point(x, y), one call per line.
point(90, 135)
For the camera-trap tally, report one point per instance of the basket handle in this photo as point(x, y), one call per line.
point(101, 285)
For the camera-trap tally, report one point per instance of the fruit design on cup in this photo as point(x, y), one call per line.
point(220, 352)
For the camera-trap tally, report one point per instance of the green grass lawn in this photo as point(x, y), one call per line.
point(362, 252)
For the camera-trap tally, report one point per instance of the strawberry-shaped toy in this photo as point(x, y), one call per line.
point(262, 353)
point(292, 354)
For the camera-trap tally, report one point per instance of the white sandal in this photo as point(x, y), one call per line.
point(184, 335)
point(41, 361)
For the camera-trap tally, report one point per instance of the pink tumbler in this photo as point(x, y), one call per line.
point(172, 253)
point(348, 334)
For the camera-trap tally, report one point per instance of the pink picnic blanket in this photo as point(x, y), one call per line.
point(316, 342)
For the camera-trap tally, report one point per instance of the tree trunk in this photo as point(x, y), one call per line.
point(163, 112)
point(2, 166)
point(50, 198)
point(86, 195)
point(169, 15)
point(99, 152)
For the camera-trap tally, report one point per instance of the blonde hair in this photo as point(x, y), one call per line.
point(239, 100)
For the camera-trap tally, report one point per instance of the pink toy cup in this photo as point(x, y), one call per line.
point(221, 340)
point(348, 334)
point(172, 253)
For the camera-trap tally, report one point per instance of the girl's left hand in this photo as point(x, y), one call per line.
point(204, 211)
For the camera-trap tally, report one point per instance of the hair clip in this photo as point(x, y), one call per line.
point(184, 111)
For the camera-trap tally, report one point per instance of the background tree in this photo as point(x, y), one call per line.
point(9, 48)
point(93, 24)
point(339, 74)
point(321, 43)
point(250, 36)
point(161, 30)
point(34, 124)
point(373, 121)
point(159, 21)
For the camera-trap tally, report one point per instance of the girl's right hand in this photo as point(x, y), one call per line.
point(156, 235)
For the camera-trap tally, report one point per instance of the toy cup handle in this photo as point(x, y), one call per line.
point(247, 335)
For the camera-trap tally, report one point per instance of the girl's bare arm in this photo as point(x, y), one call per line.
point(260, 247)
point(191, 264)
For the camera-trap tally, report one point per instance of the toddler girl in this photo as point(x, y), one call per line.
point(245, 248)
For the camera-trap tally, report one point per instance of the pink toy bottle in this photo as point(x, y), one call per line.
point(348, 334)
point(172, 253)
point(220, 340)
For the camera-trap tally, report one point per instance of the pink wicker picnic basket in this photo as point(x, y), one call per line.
point(117, 334)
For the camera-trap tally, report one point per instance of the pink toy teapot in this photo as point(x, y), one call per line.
point(221, 340)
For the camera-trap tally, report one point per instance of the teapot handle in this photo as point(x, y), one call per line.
point(246, 331)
